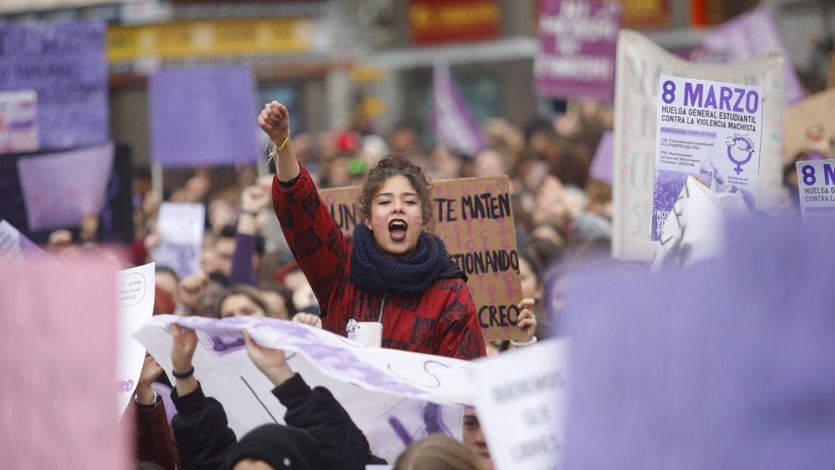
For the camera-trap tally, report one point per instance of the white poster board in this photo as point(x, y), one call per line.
point(136, 305)
point(816, 184)
point(181, 227)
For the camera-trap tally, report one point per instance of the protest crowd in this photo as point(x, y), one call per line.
point(365, 298)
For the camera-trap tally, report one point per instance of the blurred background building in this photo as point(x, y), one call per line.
point(367, 64)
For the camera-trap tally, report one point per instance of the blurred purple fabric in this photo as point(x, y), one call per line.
point(730, 365)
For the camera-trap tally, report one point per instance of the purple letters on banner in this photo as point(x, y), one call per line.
point(455, 126)
point(65, 63)
point(203, 116)
point(752, 34)
point(577, 45)
point(60, 189)
point(603, 163)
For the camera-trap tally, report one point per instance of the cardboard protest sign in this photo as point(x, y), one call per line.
point(181, 227)
point(752, 34)
point(809, 126)
point(18, 121)
point(473, 217)
point(15, 247)
point(378, 387)
point(65, 63)
point(58, 362)
point(816, 184)
point(136, 305)
point(603, 162)
point(522, 409)
point(60, 189)
point(203, 116)
point(709, 129)
point(640, 65)
point(577, 44)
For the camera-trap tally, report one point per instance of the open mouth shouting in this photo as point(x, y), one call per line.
point(398, 229)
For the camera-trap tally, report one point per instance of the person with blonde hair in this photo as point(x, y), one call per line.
point(437, 452)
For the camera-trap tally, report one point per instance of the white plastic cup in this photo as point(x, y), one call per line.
point(369, 333)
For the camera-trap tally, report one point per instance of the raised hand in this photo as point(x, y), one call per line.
point(308, 319)
point(182, 350)
point(275, 121)
point(150, 371)
point(254, 198)
point(271, 362)
point(526, 319)
point(192, 288)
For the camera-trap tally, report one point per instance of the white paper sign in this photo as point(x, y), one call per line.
point(708, 129)
point(181, 227)
point(640, 65)
point(378, 387)
point(520, 399)
point(18, 121)
point(15, 247)
point(816, 184)
point(136, 305)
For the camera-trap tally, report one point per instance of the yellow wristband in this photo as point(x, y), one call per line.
point(286, 139)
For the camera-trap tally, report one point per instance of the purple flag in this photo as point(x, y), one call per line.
point(577, 45)
point(203, 116)
point(455, 126)
point(61, 188)
point(14, 246)
point(752, 34)
point(729, 365)
point(66, 65)
point(603, 163)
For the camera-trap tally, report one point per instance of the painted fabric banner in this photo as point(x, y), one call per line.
point(640, 65)
point(708, 129)
point(18, 121)
point(60, 189)
point(473, 217)
point(816, 184)
point(65, 63)
point(382, 389)
point(203, 116)
point(577, 45)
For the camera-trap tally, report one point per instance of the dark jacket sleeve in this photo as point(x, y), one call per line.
point(317, 412)
point(201, 430)
point(243, 272)
point(154, 442)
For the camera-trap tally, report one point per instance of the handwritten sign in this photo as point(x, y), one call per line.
point(181, 228)
point(473, 217)
point(577, 44)
point(220, 105)
point(522, 409)
point(816, 184)
point(58, 326)
point(640, 65)
point(809, 126)
point(18, 121)
point(61, 188)
point(376, 386)
point(65, 63)
point(136, 305)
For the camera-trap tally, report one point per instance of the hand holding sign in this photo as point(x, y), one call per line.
point(253, 199)
point(275, 121)
point(308, 319)
point(526, 320)
point(271, 362)
point(150, 371)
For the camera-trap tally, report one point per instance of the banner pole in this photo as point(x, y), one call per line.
point(156, 180)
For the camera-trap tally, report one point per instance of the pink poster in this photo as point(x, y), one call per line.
point(60, 189)
point(58, 363)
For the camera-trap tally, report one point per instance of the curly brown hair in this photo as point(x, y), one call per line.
point(394, 165)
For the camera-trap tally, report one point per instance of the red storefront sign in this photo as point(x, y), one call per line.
point(443, 21)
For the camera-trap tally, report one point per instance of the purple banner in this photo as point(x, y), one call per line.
point(203, 116)
point(577, 45)
point(454, 125)
point(60, 189)
point(752, 34)
point(65, 64)
point(603, 163)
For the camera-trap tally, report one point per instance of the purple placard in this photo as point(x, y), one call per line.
point(203, 116)
point(65, 63)
point(577, 45)
point(603, 163)
point(60, 189)
point(752, 34)
point(454, 125)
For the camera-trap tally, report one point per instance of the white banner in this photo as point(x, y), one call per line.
point(386, 391)
point(136, 305)
point(640, 63)
point(521, 397)
point(181, 227)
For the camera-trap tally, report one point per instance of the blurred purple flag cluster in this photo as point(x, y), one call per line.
point(729, 365)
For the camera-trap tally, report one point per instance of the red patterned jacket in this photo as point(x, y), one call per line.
point(442, 320)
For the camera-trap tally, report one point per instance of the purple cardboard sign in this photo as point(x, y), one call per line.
point(66, 65)
point(752, 34)
point(577, 45)
point(203, 116)
point(603, 163)
point(60, 189)
point(454, 125)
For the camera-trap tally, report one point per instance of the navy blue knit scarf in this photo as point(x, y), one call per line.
point(372, 272)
